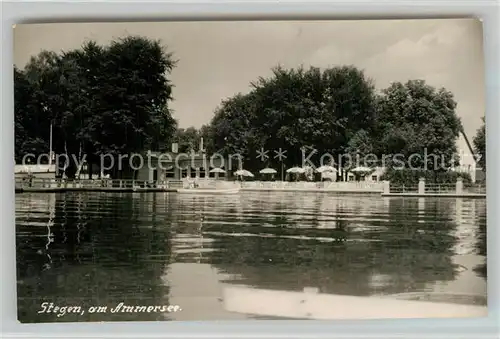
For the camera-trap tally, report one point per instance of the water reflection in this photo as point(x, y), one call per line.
point(374, 259)
point(481, 237)
point(94, 249)
point(106, 250)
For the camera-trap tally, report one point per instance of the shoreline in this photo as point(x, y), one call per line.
point(313, 190)
point(92, 189)
point(304, 190)
point(435, 195)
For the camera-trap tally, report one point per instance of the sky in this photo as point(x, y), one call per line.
point(219, 59)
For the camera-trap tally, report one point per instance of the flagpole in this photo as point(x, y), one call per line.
point(50, 145)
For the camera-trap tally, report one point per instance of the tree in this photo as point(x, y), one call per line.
point(359, 148)
point(188, 139)
point(134, 96)
point(36, 102)
point(100, 99)
point(480, 145)
point(297, 111)
point(419, 123)
point(28, 136)
point(206, 133)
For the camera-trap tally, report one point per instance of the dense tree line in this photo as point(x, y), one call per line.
point(114, 99)
point(308, 113)
point(189, 139)
point(337, 111)
point(100, 100)
point(416, 119)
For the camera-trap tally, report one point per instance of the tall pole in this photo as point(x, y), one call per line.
point(50, 145)
point(471, 150)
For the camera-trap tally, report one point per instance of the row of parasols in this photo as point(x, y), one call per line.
point(293, 170)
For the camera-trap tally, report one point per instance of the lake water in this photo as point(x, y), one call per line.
point(102, 249)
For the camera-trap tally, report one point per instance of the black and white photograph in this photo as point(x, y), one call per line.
point(242, 170)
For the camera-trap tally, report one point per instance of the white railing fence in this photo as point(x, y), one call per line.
point(306, 185)
point(347, 186)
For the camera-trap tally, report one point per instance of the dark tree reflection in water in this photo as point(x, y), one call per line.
point(106, 249)
point(92, 249)
point(393, 253)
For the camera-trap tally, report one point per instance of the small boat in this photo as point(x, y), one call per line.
point(209, 190)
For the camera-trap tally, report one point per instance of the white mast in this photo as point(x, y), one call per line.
point(50, 145)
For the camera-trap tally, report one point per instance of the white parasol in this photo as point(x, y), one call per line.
point(217, 170)
point(243, 173)
point(268, 171)
point(296, 170)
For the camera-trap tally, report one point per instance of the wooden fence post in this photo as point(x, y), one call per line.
point(387, 187)
point(459, 186)
point(421, 186)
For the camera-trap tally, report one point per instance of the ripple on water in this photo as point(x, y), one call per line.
point(107, 248)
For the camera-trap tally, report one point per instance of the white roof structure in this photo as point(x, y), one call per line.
point(34, 168)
